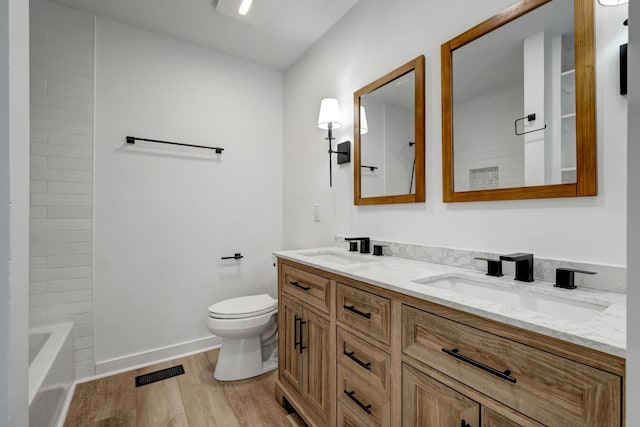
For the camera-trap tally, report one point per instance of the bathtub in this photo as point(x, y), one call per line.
point(51, 371)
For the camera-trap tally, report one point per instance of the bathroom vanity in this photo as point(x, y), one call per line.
point(384, 341)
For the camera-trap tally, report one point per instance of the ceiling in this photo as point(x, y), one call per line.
point(291, 28)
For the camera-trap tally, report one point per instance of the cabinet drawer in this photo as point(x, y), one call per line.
point(309, 287)
point(548, 388)
point(368, 362)
point(359, 398)
point(363, 311)
point(346, 418)
point(493, 419)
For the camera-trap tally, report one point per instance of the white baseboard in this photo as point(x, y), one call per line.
point(122, 364)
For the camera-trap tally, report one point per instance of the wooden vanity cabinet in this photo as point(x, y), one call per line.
point(548, 388)
point(306, 345)
point(378, 358)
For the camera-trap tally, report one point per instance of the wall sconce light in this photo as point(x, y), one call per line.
point(329, 118)
point(364, 126)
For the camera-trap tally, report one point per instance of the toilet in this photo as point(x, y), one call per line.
point(249, 330)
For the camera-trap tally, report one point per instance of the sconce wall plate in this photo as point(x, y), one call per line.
point(344, 152)
point(623, 69)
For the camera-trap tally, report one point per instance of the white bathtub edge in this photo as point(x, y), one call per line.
point(62, 416)
point(43, 361)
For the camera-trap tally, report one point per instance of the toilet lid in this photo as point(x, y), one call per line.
point(249, 306)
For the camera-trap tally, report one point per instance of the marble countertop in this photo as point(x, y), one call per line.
point(605, 331)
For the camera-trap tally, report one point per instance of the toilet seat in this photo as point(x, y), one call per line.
point(243, 307)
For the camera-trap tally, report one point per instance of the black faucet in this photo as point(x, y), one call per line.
point(365, 243)
point(524, 265)
point(565, 277)
point(494, 266)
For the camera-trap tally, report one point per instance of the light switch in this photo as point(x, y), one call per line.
point(316, 213)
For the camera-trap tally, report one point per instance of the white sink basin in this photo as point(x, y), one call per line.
point(561, 308)
point(340, 258)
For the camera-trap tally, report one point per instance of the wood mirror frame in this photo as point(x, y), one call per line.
point(586, 181)
point(417, 65)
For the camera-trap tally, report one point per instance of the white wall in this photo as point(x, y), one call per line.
point(14, 211)
point(62, 173)
point(5, 247)
point(633, 272)
point(357, 50)
point(165, 215)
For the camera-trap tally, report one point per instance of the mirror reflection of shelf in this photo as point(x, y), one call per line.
point(569, 175)
point(568, 84)
point(568, 81)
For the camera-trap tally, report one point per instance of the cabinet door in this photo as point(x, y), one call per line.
point(316, 363)
point(290, 357)
point(427, 403)
point(493, 419)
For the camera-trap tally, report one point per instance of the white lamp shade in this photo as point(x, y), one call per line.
point(612, 2)
point(329, 114)
point(364, 126)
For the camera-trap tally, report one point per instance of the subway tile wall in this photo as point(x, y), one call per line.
point(62, 173)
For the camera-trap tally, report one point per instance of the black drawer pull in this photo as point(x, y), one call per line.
point(302, 323)
point(351, 394)
point(506, 375)
point(463, 423)
point(296, 331)
point(352, 309)
point(298, 285)
point(350, 355)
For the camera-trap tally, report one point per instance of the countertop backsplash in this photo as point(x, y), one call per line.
point(608, 278)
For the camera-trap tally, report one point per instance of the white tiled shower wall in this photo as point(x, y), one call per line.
point(62, 86)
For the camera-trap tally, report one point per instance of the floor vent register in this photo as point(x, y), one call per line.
point(160, 375)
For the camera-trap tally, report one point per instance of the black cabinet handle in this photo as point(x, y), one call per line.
point(302, 323)
point(298, 285)
point(506, 375)
point(352, 309)
point(296, 343)
point(351, 394)
point(463, 423)
point(350, 355)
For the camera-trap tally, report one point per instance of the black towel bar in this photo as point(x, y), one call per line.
point(133, 139)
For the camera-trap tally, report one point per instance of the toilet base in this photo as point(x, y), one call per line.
point(241, 358)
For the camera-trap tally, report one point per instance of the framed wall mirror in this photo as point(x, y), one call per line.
point(518, 105)
point(389, 138)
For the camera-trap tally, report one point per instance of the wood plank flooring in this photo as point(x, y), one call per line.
point(194, 399)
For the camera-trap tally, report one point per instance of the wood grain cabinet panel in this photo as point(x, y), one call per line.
point(311, 288)
point(290, 358)
point(346, 418)
point(357, 395)
point(493, 419)
point(363, 359)
point(315, 356)
point(364, 312)
point(429, 403)
point(305, 357)
point(548, 388)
